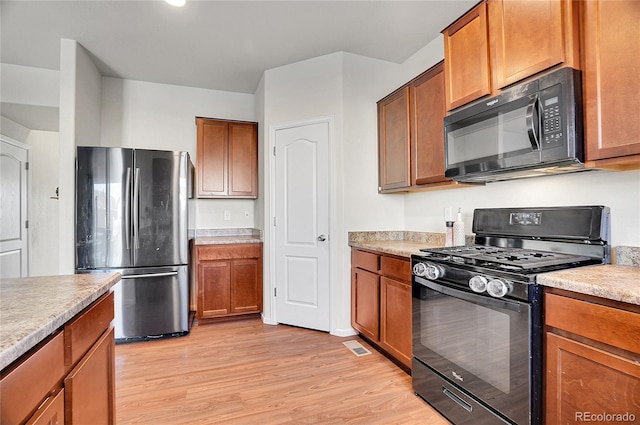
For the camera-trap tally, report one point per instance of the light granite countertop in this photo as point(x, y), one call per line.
point(32, 308)
point(226, 236)
point(401, 243)
point(619, 282)
point(399, 248)
point(614, 282)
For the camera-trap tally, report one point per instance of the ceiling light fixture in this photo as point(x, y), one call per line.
point(176, 3)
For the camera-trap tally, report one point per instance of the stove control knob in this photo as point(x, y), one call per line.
point(434, 272)
point(498, 288)
point(419, 269)
point(478, 284)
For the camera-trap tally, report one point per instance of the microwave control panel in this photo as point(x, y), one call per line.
point(552, 118)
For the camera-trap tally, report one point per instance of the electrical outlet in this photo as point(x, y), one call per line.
point(227, 215)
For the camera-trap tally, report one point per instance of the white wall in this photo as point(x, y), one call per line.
point(366, 81)
point(138, 114)
point(13, 130)
point(618, 190)
point(297, 92)
point(37, 87)
point(79, 125)
point(43, 210)
point(346, 87)
point(30, 86)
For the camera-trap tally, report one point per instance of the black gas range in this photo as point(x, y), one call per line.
point(477, 310)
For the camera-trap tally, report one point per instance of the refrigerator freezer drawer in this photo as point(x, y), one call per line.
point(152, 303)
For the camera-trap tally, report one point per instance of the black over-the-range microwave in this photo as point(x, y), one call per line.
point(531, 129)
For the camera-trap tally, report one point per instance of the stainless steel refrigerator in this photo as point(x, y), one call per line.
point(131, 217)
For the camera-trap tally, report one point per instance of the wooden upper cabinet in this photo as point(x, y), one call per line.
point(501, 42)
point(411, 135)
point(243, 159)
point(211, 158)
point(227, 159)
point(466, 52)
point(427, 131)
point(611, 83)
point(393, 140)
point(530, 36)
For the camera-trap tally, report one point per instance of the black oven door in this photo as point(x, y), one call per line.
point(481, 345)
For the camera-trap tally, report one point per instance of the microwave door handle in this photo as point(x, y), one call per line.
point(533, 123)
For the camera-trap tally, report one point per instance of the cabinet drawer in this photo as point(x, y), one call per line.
point(228, 251)
point(85, 329)
point(601, 323)
point(395, 267)
point(365, 260)
point(25, 387)
point(51, 412)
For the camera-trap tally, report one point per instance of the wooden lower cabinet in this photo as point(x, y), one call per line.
point(51, 412)
point(395, 319)
point(365, 305)
point(68, 378)
point(381, 302)
point(90, 385)
point(592, 359)
point(229, 280)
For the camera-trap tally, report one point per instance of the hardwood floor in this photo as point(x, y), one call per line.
point(245, 372)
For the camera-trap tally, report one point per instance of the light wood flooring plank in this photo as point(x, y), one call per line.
point(245, 372)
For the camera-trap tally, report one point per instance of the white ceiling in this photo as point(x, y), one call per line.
point(222, 45)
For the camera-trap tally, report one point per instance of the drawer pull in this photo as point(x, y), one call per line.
point(137, 276)
point(453, 396)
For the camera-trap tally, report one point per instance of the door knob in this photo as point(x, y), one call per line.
point(322, 238)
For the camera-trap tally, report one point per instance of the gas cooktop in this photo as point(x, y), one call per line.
point(514, 245)
point(504, 258)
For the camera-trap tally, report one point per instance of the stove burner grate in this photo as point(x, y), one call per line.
point(504, 258)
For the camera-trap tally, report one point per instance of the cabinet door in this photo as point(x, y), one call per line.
point(466, 63)
point(529, 36)
point(611, 80)
point(393, 140)
point(212, 157)
point(395, 319)
point(246, 286)
point(243, 160)
point(583, 380)
point(427, 135)
point(89, 388)
point(214, 288)
point(365, 303)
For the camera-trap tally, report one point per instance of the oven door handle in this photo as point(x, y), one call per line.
point(476, 299)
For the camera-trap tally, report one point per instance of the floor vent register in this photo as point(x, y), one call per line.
point(356, 348)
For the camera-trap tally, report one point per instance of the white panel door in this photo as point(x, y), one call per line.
point(14, 252)
point(302, 225)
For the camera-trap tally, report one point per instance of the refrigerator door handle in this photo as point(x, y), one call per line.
point(136, 193)
point(138, 276)
point(127, 208)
